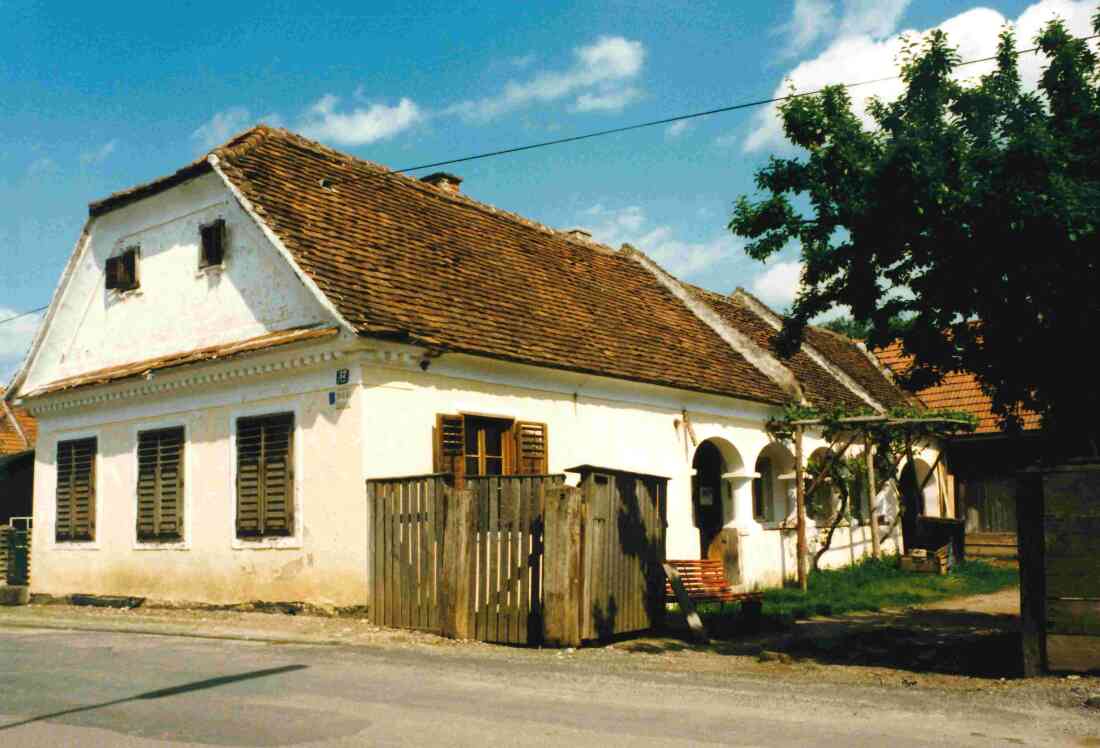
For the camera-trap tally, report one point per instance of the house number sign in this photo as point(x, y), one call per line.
point(342, 376)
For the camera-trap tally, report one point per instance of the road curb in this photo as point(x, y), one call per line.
point(58, 626)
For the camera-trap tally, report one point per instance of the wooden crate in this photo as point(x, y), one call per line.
point(936, 562)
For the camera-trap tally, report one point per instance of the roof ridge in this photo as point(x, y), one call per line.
point(762, 310)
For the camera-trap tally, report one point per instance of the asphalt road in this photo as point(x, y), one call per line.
point(80, 688)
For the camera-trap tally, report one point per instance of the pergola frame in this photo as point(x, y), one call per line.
point(859, 426)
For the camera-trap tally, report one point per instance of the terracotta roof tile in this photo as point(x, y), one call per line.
point(820, 387)
point(957, 391)
point(401, 258)
point(10, 440)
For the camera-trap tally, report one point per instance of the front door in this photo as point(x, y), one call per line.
point(707, 494)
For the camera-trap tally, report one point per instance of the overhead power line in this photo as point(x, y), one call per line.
point(628, 128)
point(27, 313)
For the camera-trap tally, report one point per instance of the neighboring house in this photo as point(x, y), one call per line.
point(18, 431)
point(982, 464)
point(235, 348)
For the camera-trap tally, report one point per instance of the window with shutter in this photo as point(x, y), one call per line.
point(479, 445)
point(212, 236)
point(532, 456)
point(160, 485)
point(75, 516)
point(265, 476)
point(122, 271)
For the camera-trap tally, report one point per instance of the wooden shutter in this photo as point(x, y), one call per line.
point(265, 476)
point(121, 271)
point(75, 517)
point(531, 448)
point(449, 449)
point(212, 237)
point(160, 485)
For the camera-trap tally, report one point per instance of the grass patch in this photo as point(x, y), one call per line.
point(870, 585)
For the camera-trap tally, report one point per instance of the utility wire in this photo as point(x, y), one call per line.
point(27, 313)
point(628, 128)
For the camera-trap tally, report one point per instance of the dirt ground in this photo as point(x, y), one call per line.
point(965, 644)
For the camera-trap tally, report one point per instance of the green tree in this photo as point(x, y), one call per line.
point(970, 211)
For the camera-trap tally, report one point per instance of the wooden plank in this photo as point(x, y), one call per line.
point(459, 562)
point(529, 497)
point(509, 506)
point(1081, 617)
point(1073, 653)
point(493, 588)
point(561, 565)
point(483, 561)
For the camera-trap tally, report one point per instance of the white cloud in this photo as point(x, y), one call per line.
point(221, 127)
point(863, 51)
point(874, 18)
point(607, 101)
point(358, 126)
point(676, 129)
point(810, 20)
point(41, 167)
point(15, 340)
point(99, 155)
point(600, 79)
point(779, 284)
point(630, 225)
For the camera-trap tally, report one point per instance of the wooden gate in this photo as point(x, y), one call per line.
point(624, 549)
point(15, 552)
point(470, 563)
point(408, 516)
point(508, 570)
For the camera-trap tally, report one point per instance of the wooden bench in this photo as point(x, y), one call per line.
point(688, 582)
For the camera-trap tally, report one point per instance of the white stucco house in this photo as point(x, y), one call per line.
point(233, 349)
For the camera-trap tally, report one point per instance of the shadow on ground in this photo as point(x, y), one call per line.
point(952, 642)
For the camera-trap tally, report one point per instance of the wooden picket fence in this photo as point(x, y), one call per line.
point(518, 559)
point(407, 520)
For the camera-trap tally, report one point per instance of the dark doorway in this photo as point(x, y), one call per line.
point(706, 494)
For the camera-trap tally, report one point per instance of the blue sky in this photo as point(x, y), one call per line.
point(97, 97)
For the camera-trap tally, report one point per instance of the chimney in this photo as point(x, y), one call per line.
point(580, 234)
point(444, 181)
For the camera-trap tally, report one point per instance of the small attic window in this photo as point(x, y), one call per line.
point(122, 271)
point(212, 251)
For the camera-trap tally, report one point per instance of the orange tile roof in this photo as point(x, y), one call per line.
point(11, 442)
point(958, 391)
point(210, 353)
point(408, 261)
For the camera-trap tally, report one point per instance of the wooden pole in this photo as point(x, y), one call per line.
point(800, 494)
point(869, 453)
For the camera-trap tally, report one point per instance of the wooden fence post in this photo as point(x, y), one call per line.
point(800, 498)
point(1030, 512)
point(459, 538)
point(562, 569)
point(869, 455)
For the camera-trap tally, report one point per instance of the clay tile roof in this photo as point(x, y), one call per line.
point(11, 442)
point(403, 259)
point(957, 391)
point(859, 364)
point(820, 387)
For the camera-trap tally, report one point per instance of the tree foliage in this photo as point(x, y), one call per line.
point(972, 211)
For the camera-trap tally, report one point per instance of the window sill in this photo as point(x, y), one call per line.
point(208, 270)
point(292, 542)
point(78, 545)
point(181, 545)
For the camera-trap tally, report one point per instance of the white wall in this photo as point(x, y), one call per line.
point(324, 561)
point(178, 308)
